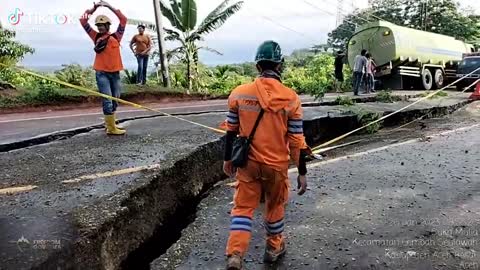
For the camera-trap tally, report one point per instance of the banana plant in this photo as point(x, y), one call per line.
point(182, 15)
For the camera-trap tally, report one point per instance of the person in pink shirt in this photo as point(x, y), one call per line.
point(370, 76)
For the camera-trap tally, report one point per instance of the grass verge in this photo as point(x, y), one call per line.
point(48, 95)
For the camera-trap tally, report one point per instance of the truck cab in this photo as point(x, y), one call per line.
point(469, 63)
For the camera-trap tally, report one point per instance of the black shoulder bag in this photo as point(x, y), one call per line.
point(100, 46)
point(241, 146)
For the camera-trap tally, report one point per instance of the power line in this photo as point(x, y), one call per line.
point(316, 7)
point(282, 26)
point(340, 9)
point(327, 12)
point(369, 13)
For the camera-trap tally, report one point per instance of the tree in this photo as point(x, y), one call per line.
point(315, 77)
point(11, 52)
point(316, 49)
point(77, 75)
point(221, 72)
point(182, 15)
point(442, 16)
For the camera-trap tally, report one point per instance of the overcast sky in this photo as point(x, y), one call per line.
point(293, 23)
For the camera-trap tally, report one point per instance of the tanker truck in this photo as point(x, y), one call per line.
point(407, 58)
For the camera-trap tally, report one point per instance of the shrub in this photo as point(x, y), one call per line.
point(437, 95)
point(130, 77)
point(385, 96)
point(76, 75)
point(365, 117)
point(314, 75)
point(345, 101)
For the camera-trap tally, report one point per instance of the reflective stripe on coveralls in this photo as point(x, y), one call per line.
point(266, 171)
point(251, 180)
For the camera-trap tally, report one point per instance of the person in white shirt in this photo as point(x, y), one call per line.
point(359, 69)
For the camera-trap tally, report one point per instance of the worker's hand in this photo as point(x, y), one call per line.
point(95, 7)
point(105, 4)
point(228, 168)
point(302, 184)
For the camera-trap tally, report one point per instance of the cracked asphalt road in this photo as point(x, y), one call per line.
point(410, 206)
point(21, 126)
point(49, 211)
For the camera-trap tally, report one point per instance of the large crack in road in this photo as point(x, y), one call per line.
point(143, 204)
point(339, 224)
point(71, 132)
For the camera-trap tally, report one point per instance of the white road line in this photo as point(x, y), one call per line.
point(312, 165)
point(99, 113)
point(108, 174)
point(15, 190)
point(223, 102)
point(321, 163)
point(112, 173)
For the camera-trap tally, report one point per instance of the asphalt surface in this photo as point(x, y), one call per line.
point(412, 205)
point(57, 212)
point(53, 213)
point(20, 126)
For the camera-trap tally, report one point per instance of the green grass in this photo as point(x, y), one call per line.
point(51, 95)
point(42, 96)
point(152, 89)
point(345, 101)
point(365, 117)
point(385, 97)
point(437, 95)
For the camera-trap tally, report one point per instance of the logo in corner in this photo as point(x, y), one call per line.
point(23, 243)
point(15, 17)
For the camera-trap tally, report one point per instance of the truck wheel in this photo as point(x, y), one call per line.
point(438, 79)
point(427, 79)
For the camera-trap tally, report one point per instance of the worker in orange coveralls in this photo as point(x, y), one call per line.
point(278, 138)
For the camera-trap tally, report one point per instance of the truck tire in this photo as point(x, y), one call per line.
point(427, 79)
point(438, 79)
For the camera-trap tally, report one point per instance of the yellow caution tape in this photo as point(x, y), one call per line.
point(95, 93)
point(421, 117)
point(315, 150)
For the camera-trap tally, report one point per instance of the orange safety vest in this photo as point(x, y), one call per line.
point(281, 128)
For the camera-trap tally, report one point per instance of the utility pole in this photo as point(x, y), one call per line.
point(161, 44)
point(426, 15)
point(339, 12)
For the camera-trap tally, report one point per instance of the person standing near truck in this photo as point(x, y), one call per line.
point(359, 70)
point(108, 60)
point(141, 44)
point(277, 110)
point(370, 76)
point(339, 62)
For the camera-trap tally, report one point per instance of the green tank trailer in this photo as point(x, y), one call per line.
point(407, 58)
